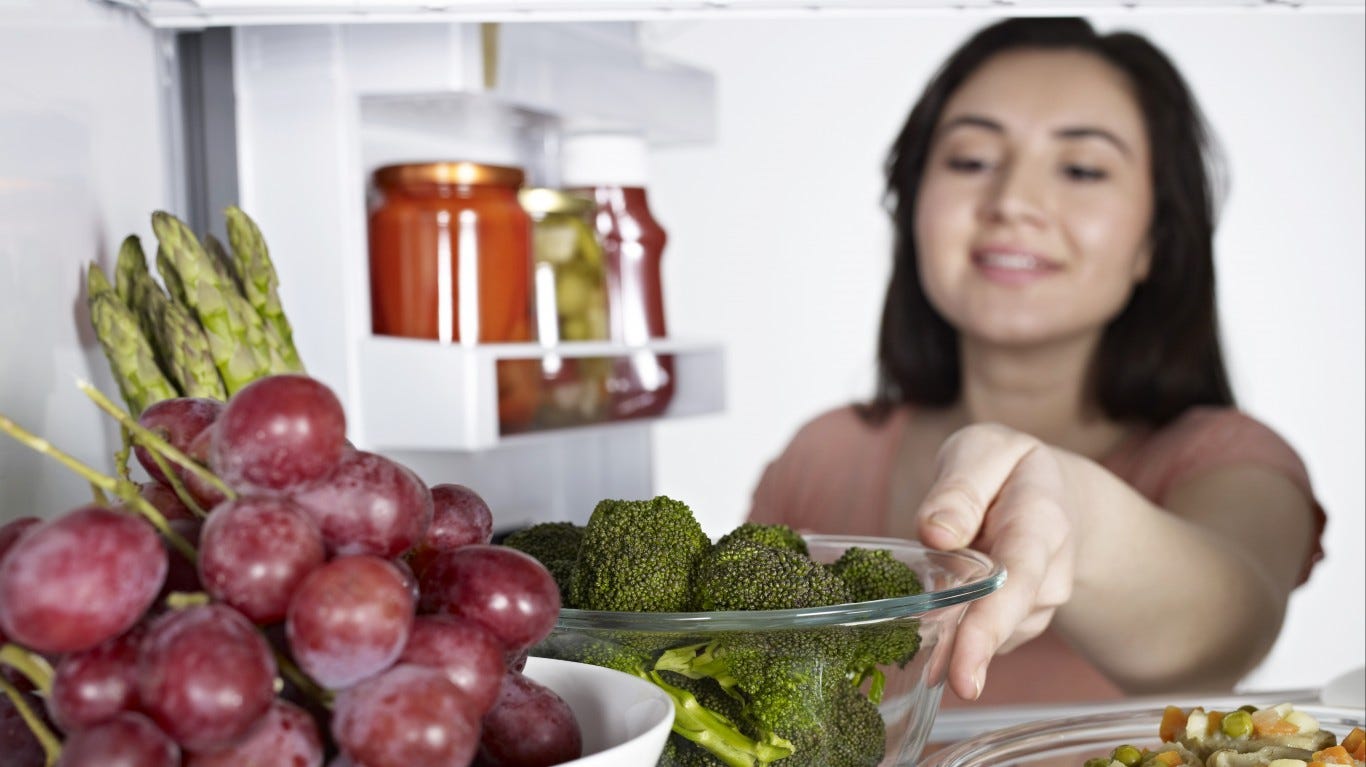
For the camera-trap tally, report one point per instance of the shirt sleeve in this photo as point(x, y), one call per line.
point(1209, 439)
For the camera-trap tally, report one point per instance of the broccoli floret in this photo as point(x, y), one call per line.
point(777, 536)
point(794, 690)
point(875, 574)
point(743, 575)
point(681, 752)
point(553, 544)
point(638, 556)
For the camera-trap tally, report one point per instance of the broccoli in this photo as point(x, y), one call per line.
point(875, 574)
point(743, 575)
point(792, 685)
point(638, 556)
point(553, 544)
point(777, 536)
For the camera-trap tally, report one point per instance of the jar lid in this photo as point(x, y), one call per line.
point(455, 172)
point(603, 159)
point(541, 200)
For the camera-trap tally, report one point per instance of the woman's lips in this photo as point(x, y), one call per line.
point(1012, 266)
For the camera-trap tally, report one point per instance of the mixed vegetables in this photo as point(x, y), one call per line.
point(1275, 736)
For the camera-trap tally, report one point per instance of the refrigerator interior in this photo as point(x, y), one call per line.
point(767, 137)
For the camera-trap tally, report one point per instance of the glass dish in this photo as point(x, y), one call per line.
point(1070, 742)
point(911, 695)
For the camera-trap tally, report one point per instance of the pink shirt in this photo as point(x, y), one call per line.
point(836, 477)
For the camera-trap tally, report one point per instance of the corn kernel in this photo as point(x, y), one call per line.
point(1288, 763)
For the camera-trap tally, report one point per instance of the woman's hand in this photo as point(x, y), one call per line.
point(1006, 494)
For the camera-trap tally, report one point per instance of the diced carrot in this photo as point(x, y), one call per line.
point(1215, 719)
point(1355, 743)
point(1169, 758)
point(1173, 723)
point(1334, 755)
point(1268, 721)
point(1316, 764)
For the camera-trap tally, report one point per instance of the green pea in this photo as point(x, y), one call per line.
point(1238, 724)
point(1099, 761)
point(1127, 755)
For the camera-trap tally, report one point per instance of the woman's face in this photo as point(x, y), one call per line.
point(1036, 200)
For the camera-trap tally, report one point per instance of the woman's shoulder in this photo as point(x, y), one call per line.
point(1204, 439)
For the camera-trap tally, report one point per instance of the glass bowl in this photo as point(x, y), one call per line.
point(910, 695)
point(1069, 742)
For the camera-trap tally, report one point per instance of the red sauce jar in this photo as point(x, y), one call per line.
point(436, 224)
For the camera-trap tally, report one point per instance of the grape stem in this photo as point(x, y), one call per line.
point(121, 457)
point(52, 748)
point(299, 679)
point(176, 484)
point(121, 488)
point(32, 665)
point(152, 441)
point(97, 491)
point(179, 600)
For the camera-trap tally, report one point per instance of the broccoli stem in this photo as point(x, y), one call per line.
point(715, 733)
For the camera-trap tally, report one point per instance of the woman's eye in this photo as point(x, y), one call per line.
point(963, 164)
point(1084, 173)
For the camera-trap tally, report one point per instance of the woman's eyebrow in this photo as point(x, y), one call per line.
point(976, 121)
point(1088, 131)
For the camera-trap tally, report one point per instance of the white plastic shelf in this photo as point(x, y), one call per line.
point(198, 14)
point(426, 395)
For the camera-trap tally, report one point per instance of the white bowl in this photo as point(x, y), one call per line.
point(624, 720)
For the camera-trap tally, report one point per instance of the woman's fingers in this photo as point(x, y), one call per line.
point(973, 466)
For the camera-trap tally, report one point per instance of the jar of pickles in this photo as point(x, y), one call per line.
point(571, 282)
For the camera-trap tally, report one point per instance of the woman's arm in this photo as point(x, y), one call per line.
point(1189, 597)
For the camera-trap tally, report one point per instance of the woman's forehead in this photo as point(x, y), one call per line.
point(1049, 90)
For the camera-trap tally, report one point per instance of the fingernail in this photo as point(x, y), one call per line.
point(945, 521)
point(979, 679)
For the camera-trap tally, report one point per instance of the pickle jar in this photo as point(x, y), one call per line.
point(435, 225)
point(570, 281)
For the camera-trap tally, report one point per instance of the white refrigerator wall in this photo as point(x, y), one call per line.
point(779, 245)
point(82, 163)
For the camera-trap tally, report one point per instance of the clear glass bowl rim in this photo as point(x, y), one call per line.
point(987, 576)
point(1049, 737)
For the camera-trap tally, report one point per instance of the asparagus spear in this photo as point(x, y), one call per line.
point(219, 253)
point(234, 331)
point(130, 355)
point(260, 283)
point(171, 278)
point(180, 344)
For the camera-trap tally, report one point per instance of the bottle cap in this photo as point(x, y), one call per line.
point(602, 159)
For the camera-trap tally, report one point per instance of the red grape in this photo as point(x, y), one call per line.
point(255, 551)
point(459, 518)
point(529, 726)
point(18, 746)
point(93, 686)
point(283, 432)
point(205, 494)
point(182, 575)
point(369, 505)
point(349, 619)
point(164, 499)
point(286, 736)
point(77, 580)
point(408, 716)
point(178, 421)
point(127, 740)
point(509, 592)
point(9, 533)
point(471, 656)
point(205, 675)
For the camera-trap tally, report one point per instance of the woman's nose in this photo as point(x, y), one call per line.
point(1019, 195)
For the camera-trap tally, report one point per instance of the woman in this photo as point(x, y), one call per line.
point(1051, 387)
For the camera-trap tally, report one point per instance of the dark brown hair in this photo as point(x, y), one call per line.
point(1161, 354)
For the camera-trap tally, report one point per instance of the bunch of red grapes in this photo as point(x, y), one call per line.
point(404, 631)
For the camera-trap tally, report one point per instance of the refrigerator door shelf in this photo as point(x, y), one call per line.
point(426, 395)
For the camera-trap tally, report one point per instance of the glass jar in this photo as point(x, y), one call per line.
point(570, 280)
point(610, 170)
point(450, 260)
point(436, 225)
